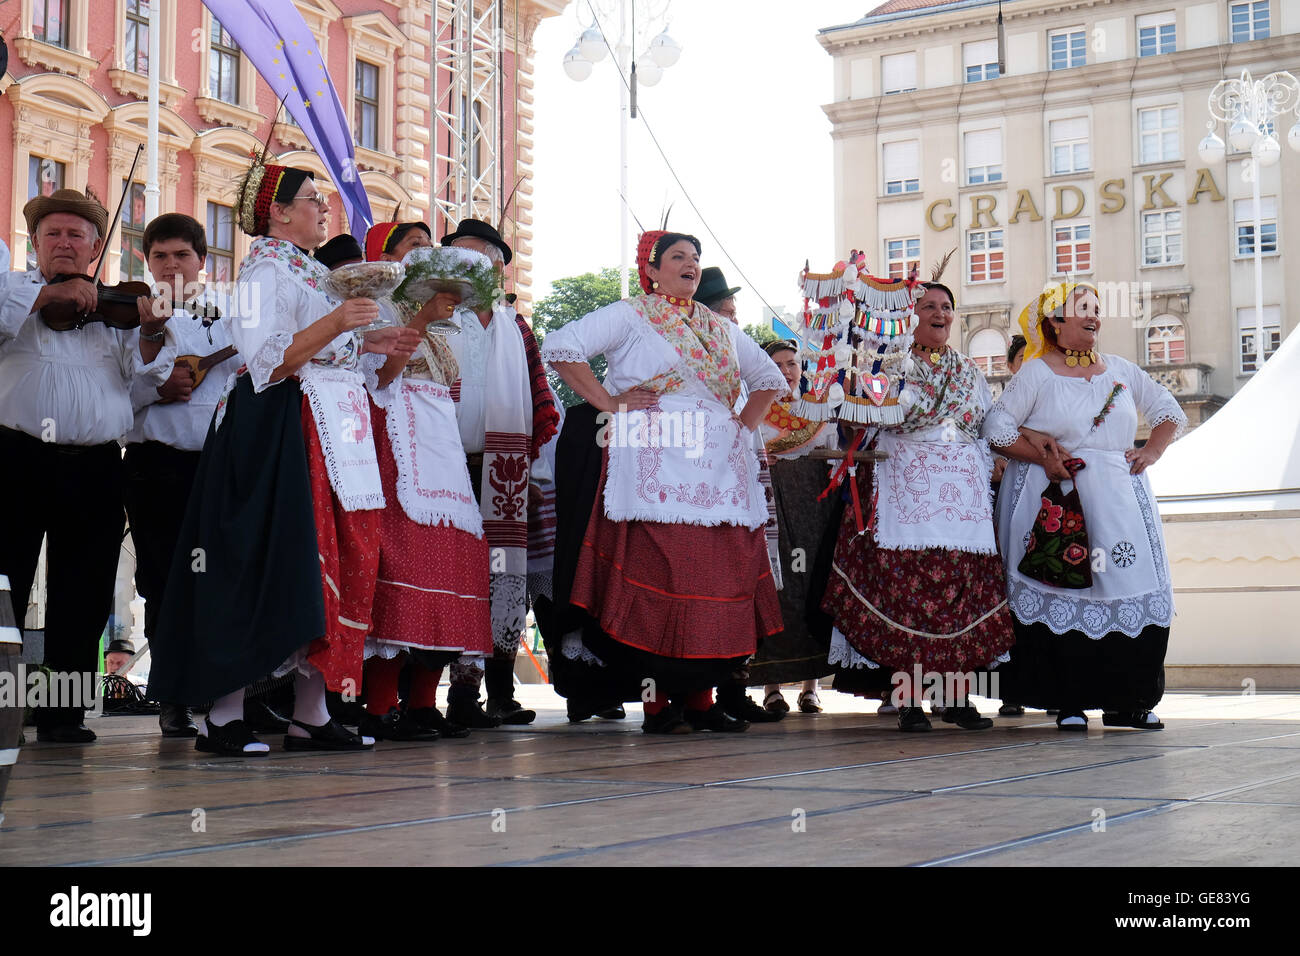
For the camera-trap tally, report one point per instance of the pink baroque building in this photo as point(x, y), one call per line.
point(440, 109)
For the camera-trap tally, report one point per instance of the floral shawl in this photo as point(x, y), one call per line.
point(702, 339)
point(949, 392)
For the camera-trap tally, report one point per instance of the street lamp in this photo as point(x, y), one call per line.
point(1248, 106)
point(661, 53)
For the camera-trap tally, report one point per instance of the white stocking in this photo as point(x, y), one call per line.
point(226, 709)
point(308, 702)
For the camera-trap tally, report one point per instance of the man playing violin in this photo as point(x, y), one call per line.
point(171, 420)
point(65, 402)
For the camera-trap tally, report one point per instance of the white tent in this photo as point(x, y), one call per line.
point(1247, 456)
point(1229, 496)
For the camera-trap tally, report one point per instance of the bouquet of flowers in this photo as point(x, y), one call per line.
point(434, 269)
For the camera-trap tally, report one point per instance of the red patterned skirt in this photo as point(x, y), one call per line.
point(678, 591)
point(432, 591)
point(944, 610)
point(348, 547)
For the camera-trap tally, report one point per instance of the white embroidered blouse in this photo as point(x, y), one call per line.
point(1131, 585)
point(636, 353)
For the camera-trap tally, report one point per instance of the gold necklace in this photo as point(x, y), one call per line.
point(936, 355)
point(1074, 357)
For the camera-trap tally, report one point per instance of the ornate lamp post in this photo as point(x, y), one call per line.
point(661, 53)
point(1248, 106)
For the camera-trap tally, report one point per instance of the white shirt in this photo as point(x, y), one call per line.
point(472, 348)
point(4, 257)
point(184, 425)
point(72, 388)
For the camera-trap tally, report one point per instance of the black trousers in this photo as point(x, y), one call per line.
point(72, 495)
point(158, 480)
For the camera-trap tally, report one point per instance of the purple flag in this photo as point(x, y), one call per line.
point(281, 47)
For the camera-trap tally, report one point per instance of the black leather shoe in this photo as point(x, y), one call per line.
point(612, 713)
point(228, 740)
point(261, 718)
point(176, 720)
point(331, 736)
point(967, 718)
point(394, 725)
point(65, 734)
point(715, 719)
point(510, 712)
point(667, 721)
point(431, 718)
point(470, 714)
point(912, 720)
point(746, 709)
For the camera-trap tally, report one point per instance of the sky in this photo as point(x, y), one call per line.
point(740, 118)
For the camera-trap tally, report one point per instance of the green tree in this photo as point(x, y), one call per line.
point(571, 299)
point(761, 334)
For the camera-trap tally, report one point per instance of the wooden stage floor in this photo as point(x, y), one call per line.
point(1221, 785)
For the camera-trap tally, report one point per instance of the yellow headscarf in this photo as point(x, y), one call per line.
point(1053, 296)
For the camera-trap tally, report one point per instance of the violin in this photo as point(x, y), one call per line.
point(116, 306)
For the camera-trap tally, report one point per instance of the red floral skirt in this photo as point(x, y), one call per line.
point(944, 610)
point(677, 590)
point(432, 591)
point(348, 546)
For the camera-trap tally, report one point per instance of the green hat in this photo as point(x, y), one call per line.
point(713, 286)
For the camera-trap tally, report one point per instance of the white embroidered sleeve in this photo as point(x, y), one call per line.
point(1156, 403)
point(757, 369)
point(596, 333)
point(1002, 423)
point(264, 327)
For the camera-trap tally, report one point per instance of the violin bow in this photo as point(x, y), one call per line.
point(117, 216)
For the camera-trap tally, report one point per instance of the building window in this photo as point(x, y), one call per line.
point(902, 163)
point(44, 176)
point(133, 265)
point(1158, 133)
point(1162, 238)
point(366, 121)
point(981, 60)
point(1272, 335)
point(136, 54)
point(1157, 33)
point(1244, 210)
point(1067, 48)
point(1070, 150)
point(984, 255)
point(220, 265)
point(902, 256)
point(983, 156)
point(1072, 247)
point(1249, 21)
point(1166, 341)
point(988, 349)
point(223, 64)
point(50, 22)
point(898, 73)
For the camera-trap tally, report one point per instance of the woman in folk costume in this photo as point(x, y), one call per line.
point(673, 571)
point(276, 561)
point(803, 520)
point(921, 589)
point(1080, 643)
point(505, 415)
point(432, 593)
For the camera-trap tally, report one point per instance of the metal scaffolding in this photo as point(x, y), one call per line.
point(467, 106)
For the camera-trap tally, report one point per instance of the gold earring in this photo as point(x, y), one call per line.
point(286, 220)
point(654, 285)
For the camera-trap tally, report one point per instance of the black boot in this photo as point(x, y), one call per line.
point(177, 720)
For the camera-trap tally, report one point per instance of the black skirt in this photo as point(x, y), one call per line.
point(806, 530)
point(244, 591)
point(578, 461)
point(1072, 671)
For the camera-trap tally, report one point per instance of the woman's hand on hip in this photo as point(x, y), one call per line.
point(1140, 459)
point(636, 399)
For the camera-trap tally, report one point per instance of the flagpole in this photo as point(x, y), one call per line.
point(151, 190)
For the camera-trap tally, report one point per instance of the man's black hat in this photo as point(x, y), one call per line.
point(339, 251)
point(478, 229)
point(713, 286)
